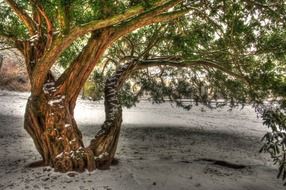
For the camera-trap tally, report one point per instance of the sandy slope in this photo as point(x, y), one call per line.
point(161, 147)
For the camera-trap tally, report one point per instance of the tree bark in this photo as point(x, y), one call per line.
point(50, 121)
point(51, 124)
point(105, 142)
point(49, 113)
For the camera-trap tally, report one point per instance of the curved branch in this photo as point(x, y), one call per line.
point(178, 62)
point(24, 17)
point(147, 18)
point(105, 141)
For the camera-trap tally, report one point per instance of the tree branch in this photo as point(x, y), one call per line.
point(145, 20)
point(98, 24)
point(72, 80)
point(49, 24)
point(178, 62)
point(24, 17)
point(205, 16)
point(61, 43)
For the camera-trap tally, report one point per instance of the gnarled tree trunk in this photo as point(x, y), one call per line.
point(49, 115)
point(50, 122)
point(105, 142)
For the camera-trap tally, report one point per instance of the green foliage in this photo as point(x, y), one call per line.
point(275, 141)
point(72, 52)
point(245, 38)
point(94, 88)
point(126, 97)
point(10, 24)
point(275, 43)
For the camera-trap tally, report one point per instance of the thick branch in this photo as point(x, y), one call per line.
point(24, 17)
point(145, 20)
point(61, 44)
point(72, 80)
point(64, 16)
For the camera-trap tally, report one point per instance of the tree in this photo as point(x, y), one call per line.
point(241, 68)
point(42, 31)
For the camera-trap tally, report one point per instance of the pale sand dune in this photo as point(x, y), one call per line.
point(161, 147)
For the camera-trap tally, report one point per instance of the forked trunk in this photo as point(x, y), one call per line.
point(51, 124)
point(49, 113)
point(105, 142)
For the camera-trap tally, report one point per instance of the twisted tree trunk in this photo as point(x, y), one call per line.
point(105, 142)
point(49, 115)
point(51, 124)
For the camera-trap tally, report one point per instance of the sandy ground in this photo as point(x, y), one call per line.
point(161, 147)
